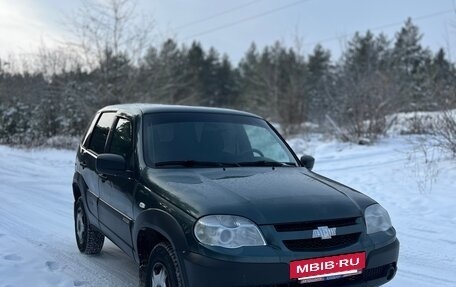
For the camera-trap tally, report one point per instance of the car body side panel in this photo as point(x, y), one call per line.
point(115, 206)
point(88, 182)
point(88, 199)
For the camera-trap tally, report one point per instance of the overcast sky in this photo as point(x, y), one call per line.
point(25, 24)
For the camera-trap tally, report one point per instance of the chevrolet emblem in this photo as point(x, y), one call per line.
point(324, 232)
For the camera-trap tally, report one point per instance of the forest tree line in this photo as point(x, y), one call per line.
point(353, 95)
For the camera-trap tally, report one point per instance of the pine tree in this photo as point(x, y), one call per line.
point(209, 79)
point(365, 89)
point(113, 76)
point(195, 72)
point(253, 88)
point(228, 85)
point(410, 62)
point(441, 83)
point(320, 82)
point(163, 75)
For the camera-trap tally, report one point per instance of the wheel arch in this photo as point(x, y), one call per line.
point(151, 227)
point(76, 191)
point(79, 187)
point(80, 191)
point(156, 226)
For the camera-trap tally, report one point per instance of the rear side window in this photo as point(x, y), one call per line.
point(122, 139)
point(100, 132)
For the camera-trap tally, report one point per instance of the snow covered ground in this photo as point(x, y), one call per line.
point(37, 246)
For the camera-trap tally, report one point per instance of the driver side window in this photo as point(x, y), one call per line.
point(263, 141)
point(122, 140)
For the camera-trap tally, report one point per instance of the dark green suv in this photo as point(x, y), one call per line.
point(214, 197)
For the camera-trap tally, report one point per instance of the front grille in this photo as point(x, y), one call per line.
point(318, 243)
point(302, 226)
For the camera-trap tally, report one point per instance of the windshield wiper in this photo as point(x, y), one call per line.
point(266, 163)
point(195, 163)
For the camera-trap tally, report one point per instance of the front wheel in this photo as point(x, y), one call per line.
point(163, 267)
point(89, 240)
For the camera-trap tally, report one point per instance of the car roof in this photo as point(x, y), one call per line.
point(140, 108)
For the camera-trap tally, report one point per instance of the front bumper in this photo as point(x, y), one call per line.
point(203, 271)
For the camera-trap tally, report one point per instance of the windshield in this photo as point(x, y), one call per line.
point(205, 139)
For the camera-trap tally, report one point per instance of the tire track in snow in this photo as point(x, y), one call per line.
point(37, 230)
point(59, 254)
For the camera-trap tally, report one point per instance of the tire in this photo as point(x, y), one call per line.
point(90, 241)
point(163, 268)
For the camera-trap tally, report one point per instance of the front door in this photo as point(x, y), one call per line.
point(115, 209)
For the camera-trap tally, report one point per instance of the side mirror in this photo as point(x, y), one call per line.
point(110, 164)
point(308, 161)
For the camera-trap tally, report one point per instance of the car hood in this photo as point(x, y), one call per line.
point(264, 195)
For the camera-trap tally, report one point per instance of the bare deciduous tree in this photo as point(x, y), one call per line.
point(445, 131)
point(112, 37)
point(113, 25)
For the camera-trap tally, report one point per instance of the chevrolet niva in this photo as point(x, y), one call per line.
point(215, 197)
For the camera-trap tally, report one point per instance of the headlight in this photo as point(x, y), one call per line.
point(377, 219)
point(228, 231)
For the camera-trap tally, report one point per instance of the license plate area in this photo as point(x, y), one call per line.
point(328, 268)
